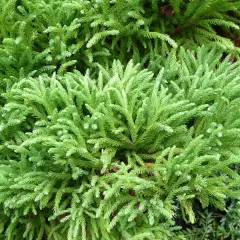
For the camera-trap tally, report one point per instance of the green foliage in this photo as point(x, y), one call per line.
point(43, 36)
point(216, 225)
point(117, 152)
point(110, 129)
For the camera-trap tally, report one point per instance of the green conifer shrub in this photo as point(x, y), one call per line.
point(119, 152)
point(94, 145)
point(60, 35)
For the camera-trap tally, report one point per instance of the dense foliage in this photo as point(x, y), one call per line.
point(110, 128)
point(117, 154)
point(214, 225)
point(58, 35)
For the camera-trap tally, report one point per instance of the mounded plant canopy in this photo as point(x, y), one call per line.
point(119, 120)
point(117, 152)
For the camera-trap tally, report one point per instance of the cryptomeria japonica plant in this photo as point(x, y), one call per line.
point(43, 36)
point(110, 128)
point(117, 153)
